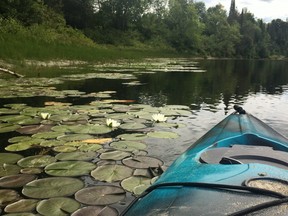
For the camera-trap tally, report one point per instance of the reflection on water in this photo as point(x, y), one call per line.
point(210, 88)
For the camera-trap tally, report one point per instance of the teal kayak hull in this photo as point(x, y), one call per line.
point(212, 177)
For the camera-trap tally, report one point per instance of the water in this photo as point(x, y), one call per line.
point(210, 88)
point(261, 87)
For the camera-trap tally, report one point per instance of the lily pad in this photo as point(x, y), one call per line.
point(33, 129)
point(8, 196)
point(133, 136)
point(100, 195)
point(17, 147)
point(19, 139)
point(96, 211)
point(133, 183)
point(31, 170)
point(128, 145)
point(36, 161)
point(78, 155)
point(48, 135)
point(75, 137)
point(9, 158)
point(52, 187)
point(142, 162)
point(69, 168)
point(9, 169)
point(7, 127)
point(59, 206)
point(16, 119)
point(89, 147)
point(23, 205)
point(15, 181)
point(114, 155)
point(132, 126)
point(64, 149)
point(163, 135)
point(111, 173)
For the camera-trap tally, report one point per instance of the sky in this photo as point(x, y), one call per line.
point(262, 9)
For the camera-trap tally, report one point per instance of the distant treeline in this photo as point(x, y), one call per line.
point(183, 25)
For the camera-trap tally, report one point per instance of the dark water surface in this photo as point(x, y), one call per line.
point(261, 87)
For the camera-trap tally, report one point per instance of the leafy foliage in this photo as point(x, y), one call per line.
point(185, 26)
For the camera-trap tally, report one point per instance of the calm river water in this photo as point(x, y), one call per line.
point(210, 91)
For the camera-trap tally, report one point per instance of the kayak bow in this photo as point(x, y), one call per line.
point(238, 167)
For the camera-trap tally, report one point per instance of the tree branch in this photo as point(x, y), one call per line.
point(11, 72)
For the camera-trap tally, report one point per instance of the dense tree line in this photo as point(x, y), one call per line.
point(184, 25)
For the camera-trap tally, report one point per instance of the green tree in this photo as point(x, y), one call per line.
point(278, 31)
point(29, 12)
point(183, 25)
point(221, 38)
point(250, 35)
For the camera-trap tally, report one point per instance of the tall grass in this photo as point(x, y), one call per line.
point(39, 42)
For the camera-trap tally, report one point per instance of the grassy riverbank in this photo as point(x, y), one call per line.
point(21, 44)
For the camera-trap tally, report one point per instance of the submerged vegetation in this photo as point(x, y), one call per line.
point(108, 29)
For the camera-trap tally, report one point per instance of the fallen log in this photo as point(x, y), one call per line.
point(11, 72)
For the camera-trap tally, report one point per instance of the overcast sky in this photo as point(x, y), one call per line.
point(263, 9)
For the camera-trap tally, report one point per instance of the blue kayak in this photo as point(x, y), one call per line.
point(240, 167)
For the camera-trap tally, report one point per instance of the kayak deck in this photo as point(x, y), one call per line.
point(211, 177)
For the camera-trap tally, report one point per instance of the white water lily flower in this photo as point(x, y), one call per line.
point(112, 123)
point(45, 115)
point(159, 117)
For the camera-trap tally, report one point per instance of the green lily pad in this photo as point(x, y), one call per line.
point(23, 205)
point(89, 147)
point(48, 135)
point(19, 139)
point(69, 117)
point(33, 129)
point(163, 135)
point(9, 169)
point(114, 155)
point(52, 187)
point(9, 158)
point(94, 129)
point(8, 196)
point(75, 137)
point(15, 181)
point(23, 145)
point(142, 162)
point(36, 161)
point(128, 145)
point(133, 136)
point(85, 156)
point(16, 119)
point(96, 211)
point(100, 195)
point(133, 183)
point(59, 206)
point(69, 168)
point(17, 147)
point(111, 173)
point(132, 126)
point(6, 111)
point(64, 149)
point(7, 127)
point(52, 143)
point(31, 170)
